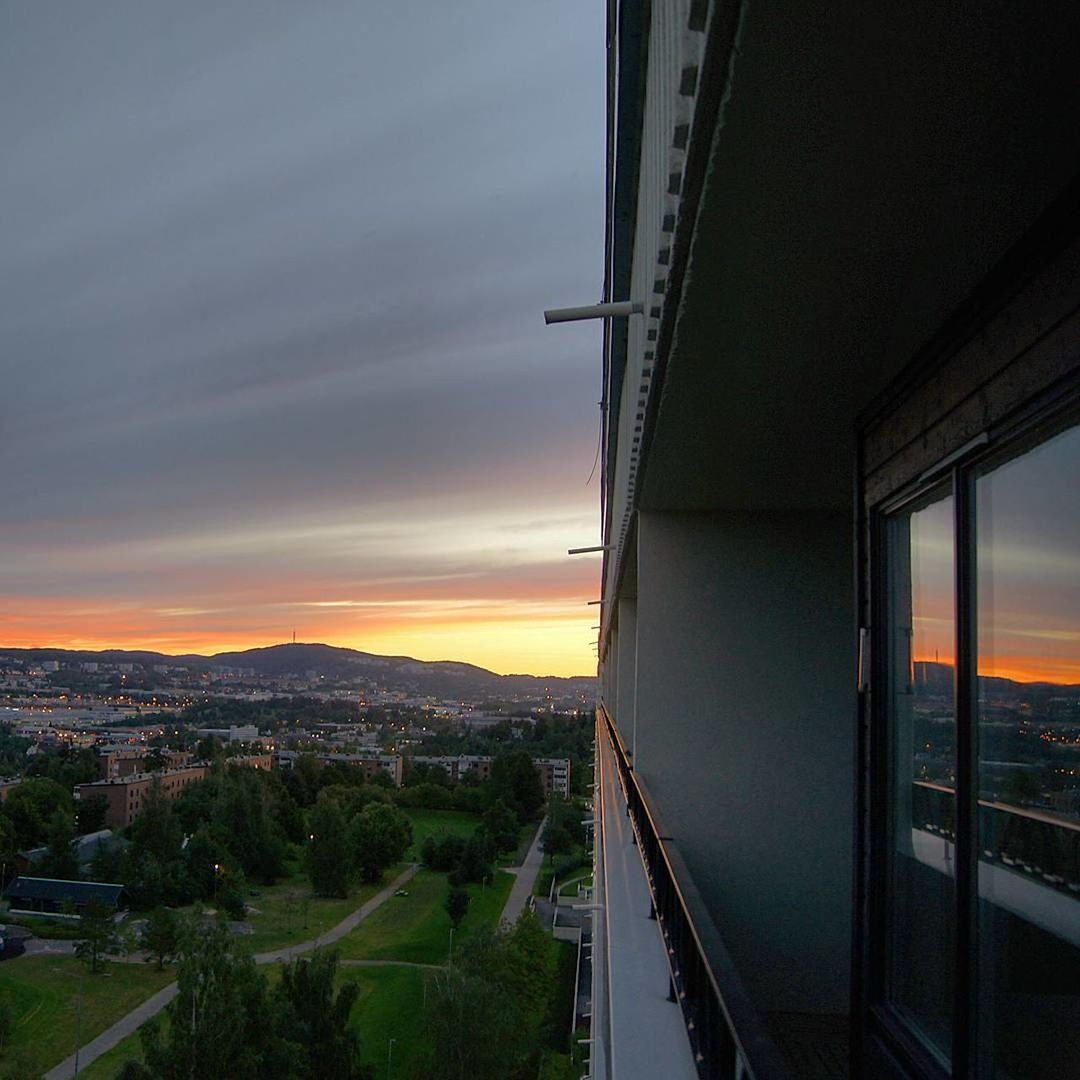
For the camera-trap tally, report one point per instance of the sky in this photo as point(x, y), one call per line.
point(272, 353)
point(1027, 568)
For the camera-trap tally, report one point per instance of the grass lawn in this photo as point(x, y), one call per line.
point(416, 927)
point(571, 886)
point(427, 823)
point(44, 990)
point(389, 1006)
point(288, 914)
point(543, 880)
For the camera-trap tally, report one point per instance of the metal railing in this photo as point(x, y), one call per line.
point(1041, 845)
point(727, 1037)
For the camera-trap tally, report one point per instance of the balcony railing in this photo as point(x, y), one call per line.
point(727, 1036)
point(1042, 846)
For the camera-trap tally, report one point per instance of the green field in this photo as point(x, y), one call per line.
point(432, 822)
point(389, 1006)
point(287, 913)
point(44, 993)
point(416, 927)
point(413, 928)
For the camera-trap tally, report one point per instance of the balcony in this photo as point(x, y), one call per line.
point(666, 997)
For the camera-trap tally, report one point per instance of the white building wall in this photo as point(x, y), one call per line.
point(627, 670)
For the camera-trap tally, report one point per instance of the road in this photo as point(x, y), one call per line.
point(153, 1005)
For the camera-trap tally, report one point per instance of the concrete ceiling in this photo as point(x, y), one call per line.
point(873, 163)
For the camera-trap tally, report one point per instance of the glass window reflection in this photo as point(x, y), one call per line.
point(923, 768)
point(1028, 558)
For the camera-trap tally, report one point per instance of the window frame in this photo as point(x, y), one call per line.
point(1036, 422)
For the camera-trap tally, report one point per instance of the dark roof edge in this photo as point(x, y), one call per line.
point(714, 88)
point(628, 50)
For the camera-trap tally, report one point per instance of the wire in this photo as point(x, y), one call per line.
point(599, 443)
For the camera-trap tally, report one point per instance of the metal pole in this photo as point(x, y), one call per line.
point(389, 1057)
point(450, 951)
point(78, 1022)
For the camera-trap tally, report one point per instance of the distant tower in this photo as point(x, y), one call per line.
point(294, 637)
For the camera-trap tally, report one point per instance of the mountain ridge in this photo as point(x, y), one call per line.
point(298, 657)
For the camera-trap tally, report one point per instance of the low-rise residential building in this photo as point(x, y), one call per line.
point(126, 795)
point(554, 772)
point(64, 899)
point(117, 761)
point(555, 775)
point(252, 761)
point(234, 733)
point(371, 764)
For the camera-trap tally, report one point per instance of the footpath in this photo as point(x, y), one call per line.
point(525, 877)
point(153, 1005)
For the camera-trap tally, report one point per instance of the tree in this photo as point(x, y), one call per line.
point(483, 1018)
point(315, 1021)
point(442, 851)
point(31, 806)
point(557, 839)
point(98, 935)
point(157, 830)
point(60, 861)
point(516, 782)
point(207, 853)
point(244, 819)
point(217, 1022)
point(90, 814)
point(476, 858)
point(161, 935)
point(501, 824)
point(328, 852)
point(8, 847)
point(378, 837)
point(457, 905)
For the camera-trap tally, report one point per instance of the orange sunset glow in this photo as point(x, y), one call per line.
point(546, 637)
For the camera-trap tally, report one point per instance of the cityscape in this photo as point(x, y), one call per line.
point(539, 542)
point(330, 820)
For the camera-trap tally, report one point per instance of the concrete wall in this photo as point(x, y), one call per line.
point(745, 706)
point(626, 670)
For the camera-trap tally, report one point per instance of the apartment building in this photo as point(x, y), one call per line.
point(554, 772)
point(371, 765)
point(840, 504)
point(118, 761)
point(126, 795)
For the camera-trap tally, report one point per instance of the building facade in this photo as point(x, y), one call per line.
point(126, 795)
point(839, 649)
point(554, 772)
point(371, 765)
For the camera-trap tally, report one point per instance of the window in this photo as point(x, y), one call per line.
point(921, 939)
point(979, 850)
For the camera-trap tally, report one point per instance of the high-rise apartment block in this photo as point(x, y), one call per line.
point(839, 725)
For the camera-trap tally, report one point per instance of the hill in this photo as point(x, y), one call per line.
point(440, 678)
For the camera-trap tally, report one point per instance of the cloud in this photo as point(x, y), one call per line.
point(270, 298)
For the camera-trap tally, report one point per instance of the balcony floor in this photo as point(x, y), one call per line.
point(648, 1037)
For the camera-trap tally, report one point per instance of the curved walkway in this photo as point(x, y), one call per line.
point(153, 1005)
